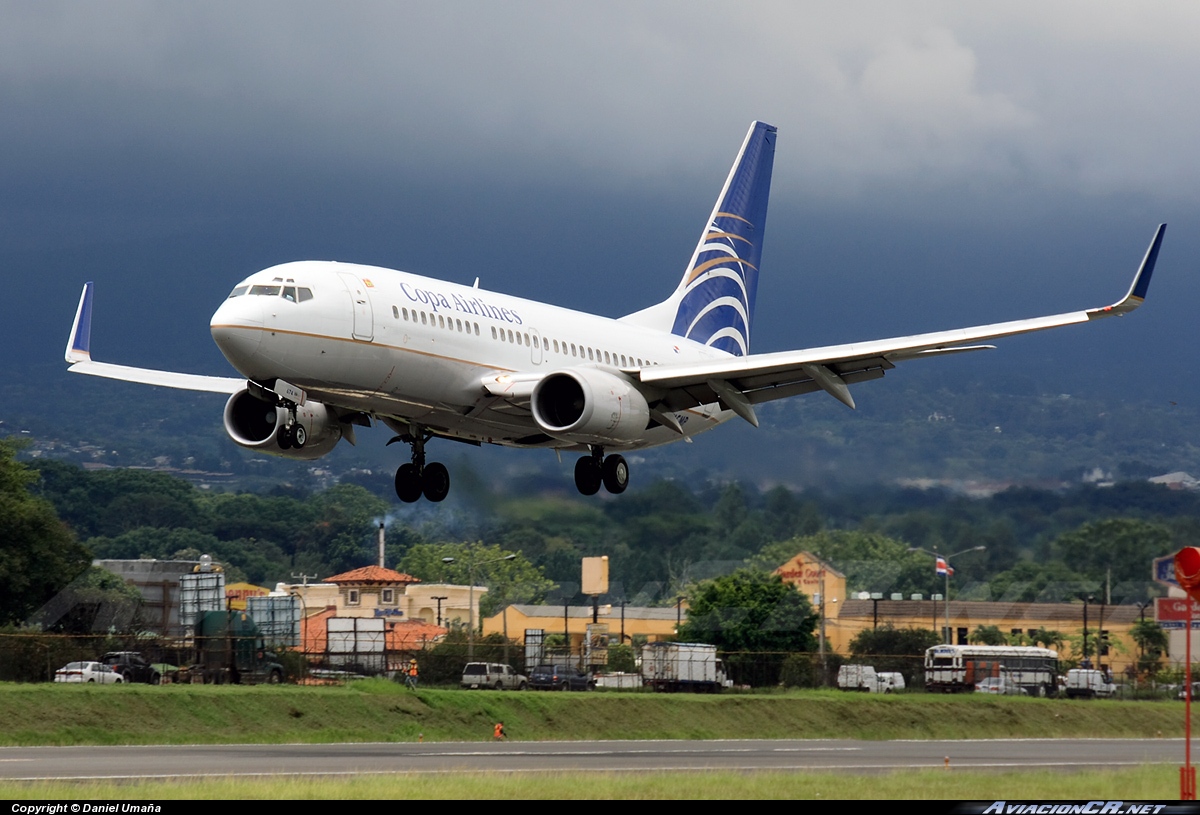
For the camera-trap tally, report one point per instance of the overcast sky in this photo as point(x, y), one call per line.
point(939, 164)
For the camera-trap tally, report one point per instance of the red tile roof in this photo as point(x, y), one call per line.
point(372, 575)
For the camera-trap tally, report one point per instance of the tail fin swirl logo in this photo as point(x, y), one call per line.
point(716, 301)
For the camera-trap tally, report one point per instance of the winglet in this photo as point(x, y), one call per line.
point(1141, 282)
point(80, 342)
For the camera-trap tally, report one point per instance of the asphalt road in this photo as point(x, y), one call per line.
point(158, 761)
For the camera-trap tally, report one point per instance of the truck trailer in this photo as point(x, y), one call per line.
point(682, 666)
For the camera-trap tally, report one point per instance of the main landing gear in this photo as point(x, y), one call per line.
point(596, 468)
point(293, 433)
point(418, 478)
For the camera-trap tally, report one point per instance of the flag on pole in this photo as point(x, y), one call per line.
point(943, 568)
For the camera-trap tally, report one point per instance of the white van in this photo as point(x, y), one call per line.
point(1085, 683)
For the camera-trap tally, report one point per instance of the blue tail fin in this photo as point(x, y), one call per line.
point(714, 302)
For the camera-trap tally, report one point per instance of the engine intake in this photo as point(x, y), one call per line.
point(256, 425)
point(589, 406)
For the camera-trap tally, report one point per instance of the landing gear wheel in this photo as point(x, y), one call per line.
point(616, 474)
point(587, 475)
point(299, 435)
point(284, 438)
point(436, 480)
point(408, 484)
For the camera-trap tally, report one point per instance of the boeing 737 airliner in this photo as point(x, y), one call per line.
point(324, 346)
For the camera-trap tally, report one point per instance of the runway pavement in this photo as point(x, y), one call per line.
point(159, 761)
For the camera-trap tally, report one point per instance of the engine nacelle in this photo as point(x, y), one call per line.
point(589, 406)
point(256, 425)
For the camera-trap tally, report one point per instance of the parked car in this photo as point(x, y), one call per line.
point(1000, 686)
point(560, 677)
point(493, 675)
point(132, 667)
point(96, 672)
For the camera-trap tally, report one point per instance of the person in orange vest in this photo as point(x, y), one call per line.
point(498, 732)
point(411, 679)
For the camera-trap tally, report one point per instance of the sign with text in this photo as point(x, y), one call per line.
point(1172, 612)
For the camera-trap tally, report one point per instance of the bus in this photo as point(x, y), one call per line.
point(958, 668)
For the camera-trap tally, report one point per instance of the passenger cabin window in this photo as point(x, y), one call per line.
point(395, 312)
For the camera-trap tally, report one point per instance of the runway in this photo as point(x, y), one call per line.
point(163, 761)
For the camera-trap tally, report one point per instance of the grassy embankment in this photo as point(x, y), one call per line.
point(384, 711)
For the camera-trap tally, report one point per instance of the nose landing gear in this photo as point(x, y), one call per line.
point(596, 468)
point(418, 478)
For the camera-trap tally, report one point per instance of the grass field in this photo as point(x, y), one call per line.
point(384, 711)
point(1154, 783)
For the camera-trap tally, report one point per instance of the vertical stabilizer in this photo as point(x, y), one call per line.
point(714, 302)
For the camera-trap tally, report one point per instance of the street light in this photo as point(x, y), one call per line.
point(472, 565)
point(946, 559)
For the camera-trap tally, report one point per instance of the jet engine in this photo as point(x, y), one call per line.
point(589, 406)
point(259, 425)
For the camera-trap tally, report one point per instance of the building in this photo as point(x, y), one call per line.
point(848, 615)
point(374, 591)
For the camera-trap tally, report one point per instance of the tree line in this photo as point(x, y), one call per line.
point(662, 539)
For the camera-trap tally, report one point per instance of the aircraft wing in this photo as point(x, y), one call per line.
point(79, 355)
point(739, 383)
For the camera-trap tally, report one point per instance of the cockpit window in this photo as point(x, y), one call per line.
point(238, 292)
point(304, 294)
point(269, 291)
point(289, 293)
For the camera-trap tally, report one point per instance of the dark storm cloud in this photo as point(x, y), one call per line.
point(939, 163)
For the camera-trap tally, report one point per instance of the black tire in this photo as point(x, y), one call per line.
point(499, 685)
point(274, 678)
point(299, 436)
point(285, 438)
point(408, 484)
point(587, 476)
point(523, 686)
point(565, 686)
point(436, 482)
point(155, 679)
point(616, 474)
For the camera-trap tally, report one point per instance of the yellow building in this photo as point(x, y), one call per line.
point(846, 616)
point(623, 624)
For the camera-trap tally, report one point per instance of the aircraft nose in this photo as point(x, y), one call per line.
point(237, 329)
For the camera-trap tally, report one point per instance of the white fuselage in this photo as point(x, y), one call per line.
point(406, 348)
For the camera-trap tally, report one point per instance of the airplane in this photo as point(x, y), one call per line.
point(322, 347)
